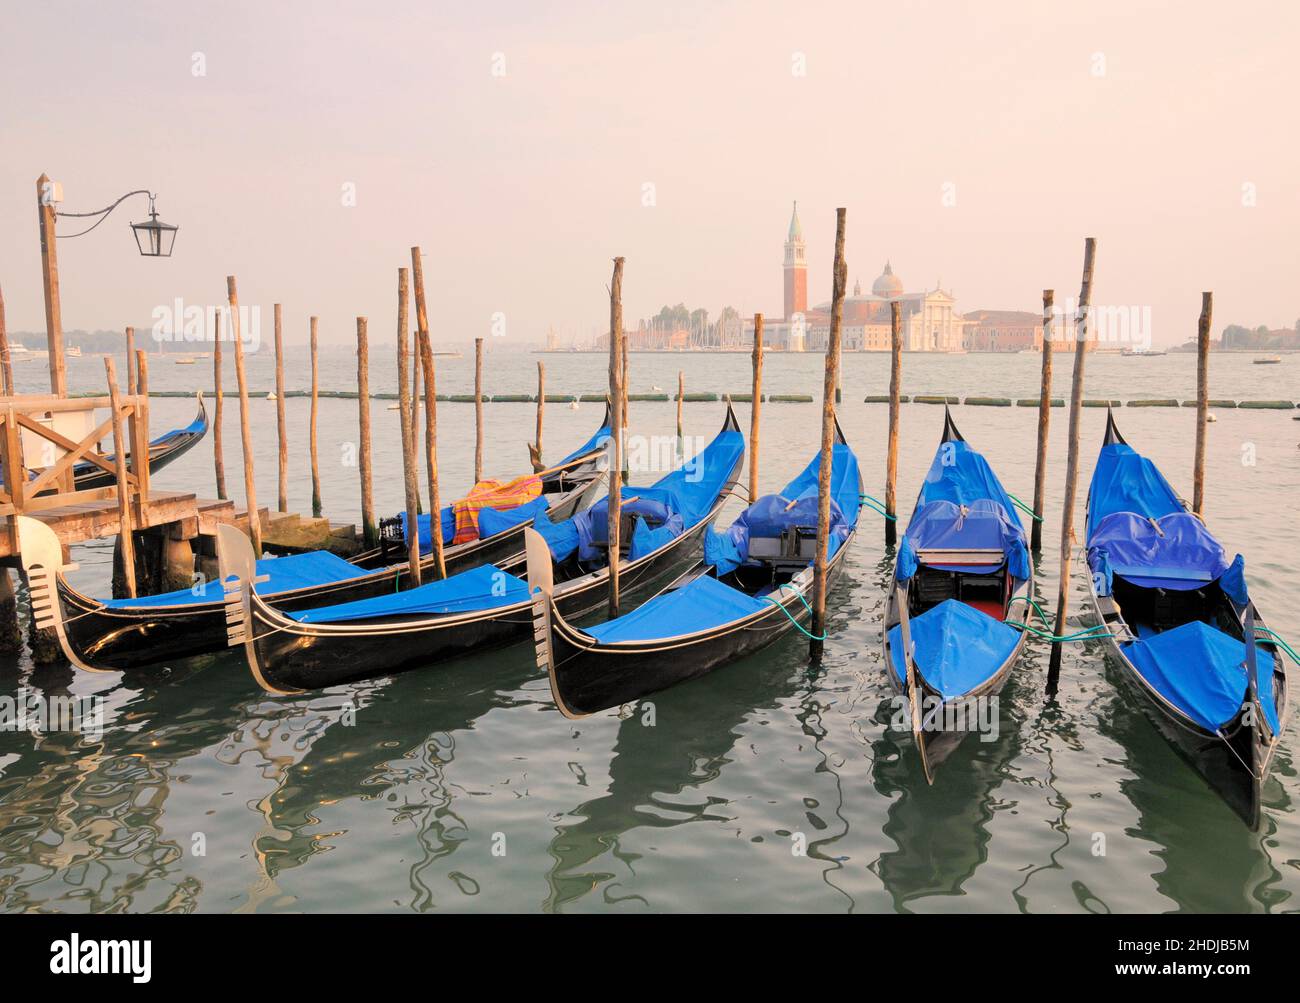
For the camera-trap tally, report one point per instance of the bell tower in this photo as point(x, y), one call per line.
point(796, 268)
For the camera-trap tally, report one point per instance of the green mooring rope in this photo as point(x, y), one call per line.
point(1278, 640)
point(1025, 508)
point(1087, 634)
point(790, 616)
point(877, 506)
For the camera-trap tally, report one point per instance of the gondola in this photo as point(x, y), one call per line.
point(961, 588)
point(163, 450)
point(1178, 614)
point(486, 607)
point(118, 634)
point(750, 589)
point(170, 446)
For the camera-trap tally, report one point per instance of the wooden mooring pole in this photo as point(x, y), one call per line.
point(132, 373)
point(316, 507)
point(756, 396)
point(681, 395)
point(535, 450)
point(895, 414)
point(1072, 461)
point(431, 447)
point(478, 410)
point(369, 529)
point(281, 428)
point(6, 362)
point(1202, 402)
point(126, 536)
point(408, 435)
point(425, 347)
point(616, 428)
point(840, 279)
point(1044, 423)
point(245, 427)
point(218, 457)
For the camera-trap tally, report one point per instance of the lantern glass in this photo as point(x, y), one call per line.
point(154, 238)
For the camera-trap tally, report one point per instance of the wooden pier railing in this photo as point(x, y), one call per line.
point(38, 460)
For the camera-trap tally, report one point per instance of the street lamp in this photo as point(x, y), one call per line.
point(154, 239)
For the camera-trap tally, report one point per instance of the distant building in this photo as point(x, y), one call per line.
point(1003, 331)
point(930, 321)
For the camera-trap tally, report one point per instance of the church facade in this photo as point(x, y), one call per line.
point(930, 321)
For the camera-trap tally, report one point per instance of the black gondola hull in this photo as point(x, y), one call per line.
point(290, 656)
point(118, 639)
point(588, 680)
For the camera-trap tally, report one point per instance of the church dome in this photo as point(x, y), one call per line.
point(888, 286)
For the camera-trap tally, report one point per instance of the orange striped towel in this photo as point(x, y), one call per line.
point(495, 495)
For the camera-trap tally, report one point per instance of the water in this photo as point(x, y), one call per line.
point(298, 806)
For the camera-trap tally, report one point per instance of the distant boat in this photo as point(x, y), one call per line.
point(1268, 360)
point(573, 405)
point(184, 362)
point(73, 352)
point(271, 396)
point(1128, 352)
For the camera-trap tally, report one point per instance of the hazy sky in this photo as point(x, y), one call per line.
point(1137, 123)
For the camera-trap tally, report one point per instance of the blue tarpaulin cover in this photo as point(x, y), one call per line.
point(771, 515)
point(1196, 667)
point(491, 522)
point(597, 441)
point(1174, 552)
point(481, 588)
point(960, 477)
point(1125, 481)
point(956, 647)
point(286, 574)
point(422, 523)
point(689, 492)
point(1202, 672)
point(698, 605)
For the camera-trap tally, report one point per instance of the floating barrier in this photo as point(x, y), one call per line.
point(701, 397)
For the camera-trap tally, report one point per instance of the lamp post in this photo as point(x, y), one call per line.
point(154, 239)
